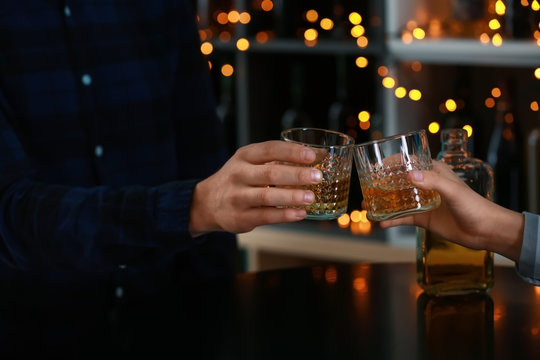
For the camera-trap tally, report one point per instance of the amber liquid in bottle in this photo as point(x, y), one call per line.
point(444, 267)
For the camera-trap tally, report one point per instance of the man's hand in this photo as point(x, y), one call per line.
point(239, 197)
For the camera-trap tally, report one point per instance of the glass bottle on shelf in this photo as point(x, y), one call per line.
point(296, 115)
point(504, 153)
point(444, 267)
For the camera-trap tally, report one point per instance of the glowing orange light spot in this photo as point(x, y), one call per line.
point(365, 125)
point(434, 127)
point(388, 82)
point(222, 18)
point(484, 38)
point(202, 35)
point(360, 284)
point(382, 70)
point(267, 5)
point(331, 275)
point(355, 18)
point(489, 102)
point(419, 33)
point(450, 105)
point(344, 221)
point(497, 40)
point(312, 16)
point(242, 44)
point(357, 31)
point(534, 106)
point(494, 24)
point(407, 37)
point(416, 66)
point(362, 42)
point(327, 24)
point(245, 17)
point(400, 92)
point(207, 48)
point(227, 70)
point(233, 16)
point(361, 228)
point(500, 8)
point(311, 34)
point(415, 94)
point(361, 62)
point(261, 37)
point(496, 92)
point(310, 43)
point(224, 36)
point(364, 116)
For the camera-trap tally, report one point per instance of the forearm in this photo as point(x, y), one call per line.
point(72, 226)
point(502, 232)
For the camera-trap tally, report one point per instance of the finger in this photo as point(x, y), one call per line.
point(277, 174)
point(440, 180)
point(271, 215)
point(275, 150)
point(408, 220)
point(272, 196)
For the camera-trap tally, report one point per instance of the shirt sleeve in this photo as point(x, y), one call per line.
point(59, 225)
point(528, 266)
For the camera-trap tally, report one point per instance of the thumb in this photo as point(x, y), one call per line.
point(442, 182)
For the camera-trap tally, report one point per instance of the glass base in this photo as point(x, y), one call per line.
point(325, 216)
point(407, 212)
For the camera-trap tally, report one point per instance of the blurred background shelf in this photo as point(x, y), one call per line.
point(514, 53)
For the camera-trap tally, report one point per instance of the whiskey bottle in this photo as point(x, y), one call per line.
point(444, 267)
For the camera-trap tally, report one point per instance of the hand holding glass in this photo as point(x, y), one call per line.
point(383, 166)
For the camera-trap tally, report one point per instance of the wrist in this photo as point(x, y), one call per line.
point(199, 215)
point(505, 232)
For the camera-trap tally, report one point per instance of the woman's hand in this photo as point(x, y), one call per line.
point(239, 197)
point(464, 216)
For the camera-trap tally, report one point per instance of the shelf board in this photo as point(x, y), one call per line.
point(293, 46)
point(513, 53)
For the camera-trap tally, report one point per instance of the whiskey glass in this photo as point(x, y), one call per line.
point(334, 153)
point(383, 166)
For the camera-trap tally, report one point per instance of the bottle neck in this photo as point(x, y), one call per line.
point(453, 143)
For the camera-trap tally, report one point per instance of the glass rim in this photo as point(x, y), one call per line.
point(390, 138)
point(340, 134)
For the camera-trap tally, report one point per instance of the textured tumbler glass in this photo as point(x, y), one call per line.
point(383, 166)
point(334, 160)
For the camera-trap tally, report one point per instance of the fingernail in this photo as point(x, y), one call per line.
point(309, 197)
point(308, 155)
point(417, 176)
point(316, 175)
point(300, 214)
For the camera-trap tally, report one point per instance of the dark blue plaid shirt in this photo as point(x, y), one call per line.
point(107, 120)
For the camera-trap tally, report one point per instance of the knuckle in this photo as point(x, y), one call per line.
point(304, 176)
point(270, 174)
point(265, 196)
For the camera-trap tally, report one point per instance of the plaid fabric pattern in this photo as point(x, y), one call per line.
point(107, 120)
